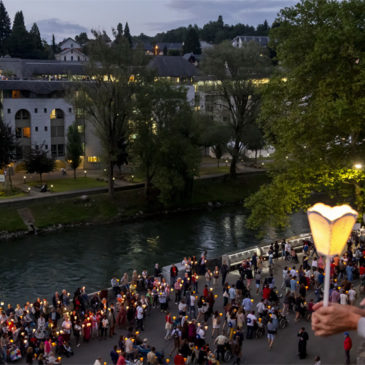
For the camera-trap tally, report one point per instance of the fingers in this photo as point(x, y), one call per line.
point(362, 302)
point(318, 305)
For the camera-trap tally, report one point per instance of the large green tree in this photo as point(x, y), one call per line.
point(5, 29)
point(19, 43)
point(191, 41)
point(38, 162)
point(107, 100)
point(236, 70)
point(313, 110)
point(164, 146)
point(74, 147)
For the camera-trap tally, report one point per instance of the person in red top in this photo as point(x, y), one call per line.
point(205, 291)
point(179, 359)
point(266, 292)
point(347, 344)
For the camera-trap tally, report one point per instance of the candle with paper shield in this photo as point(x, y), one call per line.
point(331, 228)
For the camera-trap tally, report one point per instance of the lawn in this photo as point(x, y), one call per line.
point(214, 170)
point(10, 220)
point(11, 195)
point(69, 184)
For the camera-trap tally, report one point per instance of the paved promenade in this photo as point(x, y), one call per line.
point(254, 351)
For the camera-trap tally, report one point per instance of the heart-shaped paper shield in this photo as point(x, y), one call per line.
point(331, 227)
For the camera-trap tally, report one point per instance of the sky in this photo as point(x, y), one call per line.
point(66, 18)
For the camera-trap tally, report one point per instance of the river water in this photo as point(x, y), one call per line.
point(36, 266)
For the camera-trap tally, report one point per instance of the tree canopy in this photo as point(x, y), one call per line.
point(5, 29)
point(313, 110)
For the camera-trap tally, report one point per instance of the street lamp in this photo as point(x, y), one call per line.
point(85, 173)
point(29, 189)
point(24, 179)
point(226, 163)
point(331, 228)
point(358, 166)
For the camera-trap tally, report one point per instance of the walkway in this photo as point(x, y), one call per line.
point(254, 351)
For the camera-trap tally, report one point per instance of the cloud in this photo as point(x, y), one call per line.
point(59, 28)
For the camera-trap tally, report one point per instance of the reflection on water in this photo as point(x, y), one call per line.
point(39, 265)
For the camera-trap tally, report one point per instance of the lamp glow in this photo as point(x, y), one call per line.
point(331, 228)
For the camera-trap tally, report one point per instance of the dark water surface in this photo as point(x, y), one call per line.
point(37, 266)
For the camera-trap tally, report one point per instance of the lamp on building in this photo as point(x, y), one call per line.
point(24, 179)
point(331, 228)
point(358, 166)
point(85, 173)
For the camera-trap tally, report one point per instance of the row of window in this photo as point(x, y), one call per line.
point(24, 114)
point(57, 131)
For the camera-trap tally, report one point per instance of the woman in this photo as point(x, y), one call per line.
point(29, 355)
point(216, 323)
point(168, 325)
point(215, 276)
point(240, 318)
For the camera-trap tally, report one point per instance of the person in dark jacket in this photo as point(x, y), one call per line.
point(302, 344)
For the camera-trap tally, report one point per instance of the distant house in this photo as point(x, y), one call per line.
point(70, 52)
point(241, 39)
point(160, 48)
point(192, 58)
point(173, 67)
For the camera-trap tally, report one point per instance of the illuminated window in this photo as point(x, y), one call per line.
point(80, 128)
point(26, 132)
point(93, 159)
point(15, 94)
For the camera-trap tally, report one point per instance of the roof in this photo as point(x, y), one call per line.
point(38, 87)
point(169, 45)
point(173, 66)
point(68, 39)
point(264, 40)
point(24, 68)
point(187, 56)
point(68, 50)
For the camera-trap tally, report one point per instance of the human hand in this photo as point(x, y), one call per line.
point(335, 318)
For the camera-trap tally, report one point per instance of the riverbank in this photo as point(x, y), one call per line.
point(126, 205)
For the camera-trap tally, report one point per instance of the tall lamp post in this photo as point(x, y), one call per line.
point(331, 228)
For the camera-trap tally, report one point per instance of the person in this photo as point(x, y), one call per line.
point(317, 360)
point(179, 359)
point(221, 342)
point(114, 355)
point(139, 316)
point(271, 331)
point(152, 357)
point(121, 359)
point(98, 361)
point(347, 344)
point(302, 344)
point(337, 318)
point(250, 323)
point(224, 272)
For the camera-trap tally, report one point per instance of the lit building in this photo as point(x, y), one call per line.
point(241, 39)
point(70, 52)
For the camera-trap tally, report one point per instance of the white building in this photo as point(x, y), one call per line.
point(241, 39)
point(70, 52)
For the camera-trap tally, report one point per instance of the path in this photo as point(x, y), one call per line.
point(254, 351)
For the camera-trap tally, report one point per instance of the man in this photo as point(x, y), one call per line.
point(221, 342)
point(224, 272)
point(302, 344)
point(139, 316)
point(250, 322)
point(151, 357)
point(247, 304)
point(347, 346)
point(114, 355)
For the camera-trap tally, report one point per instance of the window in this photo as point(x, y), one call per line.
point(46, 147)
point(64, 58)
point(78, 58)
point(26, 132)
point(35, 110)
point(70, 110)
point(93, 159)
point(36, 147)
point(80, 128)
point(60, 131)
point(36, 129)
point(15, 94)
point(72, 51)
point(54, 150)
point(18, 132)
point(45, 128)
point(61, 149)
point(9, 111)
point(45, 110)
point(72, 58)
point(72, 45)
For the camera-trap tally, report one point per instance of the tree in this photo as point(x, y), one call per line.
point(19, 43)
point(38, 50)
point(191, 42)
point(127, 35)
point(165, 148)
point(74, 147)
point(236, 69)
point(38, 162)
point(254, 138)
point(118, 33)
point(82, 39)
point(107, 101)
point(7, 147)
point(313, 111)
point(5, 30)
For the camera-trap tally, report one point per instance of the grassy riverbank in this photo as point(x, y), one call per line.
point(100, 208)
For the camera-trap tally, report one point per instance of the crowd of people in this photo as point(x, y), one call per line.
point(196, 328)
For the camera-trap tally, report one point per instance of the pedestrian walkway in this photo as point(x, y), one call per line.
point(254, 351)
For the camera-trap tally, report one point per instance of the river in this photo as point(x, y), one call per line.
point(36, 266)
